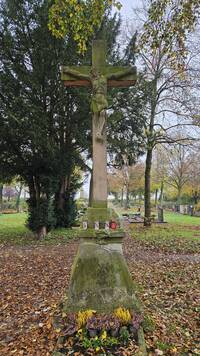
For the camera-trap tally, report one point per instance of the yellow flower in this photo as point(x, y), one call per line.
point(97, 349)
point(80, 331)
point(123, 315)
point(104, 335)
point(83, 317)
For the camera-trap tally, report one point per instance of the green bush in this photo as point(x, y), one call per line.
point(66, 217)
point(40, 214)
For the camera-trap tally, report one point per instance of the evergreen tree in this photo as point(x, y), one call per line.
point(43, 126)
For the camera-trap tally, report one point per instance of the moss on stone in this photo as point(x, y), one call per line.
point(102, 234)
point(100, 204)
point(141, 343)
point(100, 280)
point(102, 215)
point(89, 233)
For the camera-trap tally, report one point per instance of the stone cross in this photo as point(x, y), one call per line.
point(100, 76)
point(100, 279)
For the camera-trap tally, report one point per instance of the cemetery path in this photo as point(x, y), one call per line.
point(33, 280)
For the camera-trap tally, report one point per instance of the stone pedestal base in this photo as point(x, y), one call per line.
point(102, 215)
point(100, 279)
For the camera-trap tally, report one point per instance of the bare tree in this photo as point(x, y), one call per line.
point(179, 167)
point(170, 90)
point(159, 172)
point(194, 181)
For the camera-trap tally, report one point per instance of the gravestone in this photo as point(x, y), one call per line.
point(183, 209)
point(160, 215)
point(100, 279)
point(190, 210)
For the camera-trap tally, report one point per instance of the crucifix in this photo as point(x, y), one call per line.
point(99, 77)
point(100, 279)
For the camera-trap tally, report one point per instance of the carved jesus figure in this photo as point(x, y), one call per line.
point(99, 102)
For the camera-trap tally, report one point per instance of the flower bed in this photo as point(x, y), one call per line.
point(90, 333)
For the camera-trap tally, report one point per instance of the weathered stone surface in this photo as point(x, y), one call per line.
point(102, 235)
point(99, 77)
point(102, 215)
point(100, 279)
point(141, 343)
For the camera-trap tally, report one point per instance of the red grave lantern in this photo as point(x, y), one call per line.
point(113, 225)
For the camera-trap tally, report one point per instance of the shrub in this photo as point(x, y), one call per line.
point(40, 214)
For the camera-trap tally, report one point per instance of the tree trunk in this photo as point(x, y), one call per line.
point(156, 197)
point(150, 145)
point(61, 195)
point(179, 195)
point(161, 193)
point(147, 193)
point(116, 197)
point(1, 197)
point(140, 198)
point(127, 199)
point(34, 191)
point(122, 197)
point(195, 197)
point(41, 233)
point(18, 198)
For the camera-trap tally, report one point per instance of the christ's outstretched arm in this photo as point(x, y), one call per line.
point(74, 73)
point(122, 73)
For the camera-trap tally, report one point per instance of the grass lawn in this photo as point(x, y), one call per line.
point(12, 222)
point(168, 238)
point(170, 217)
point(183, 229)
point(13, 230)
point(180, 234)
point(176, 218)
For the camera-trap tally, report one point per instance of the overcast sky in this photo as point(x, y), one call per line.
point(127, 6)
point(128, 15)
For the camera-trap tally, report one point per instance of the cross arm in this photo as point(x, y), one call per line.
point(75, 73)
point(122, 73)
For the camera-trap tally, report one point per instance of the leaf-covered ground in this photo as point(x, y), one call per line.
point(33, 279)
point(169, 288)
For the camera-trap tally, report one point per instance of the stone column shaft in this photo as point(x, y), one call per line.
point(100, 190)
